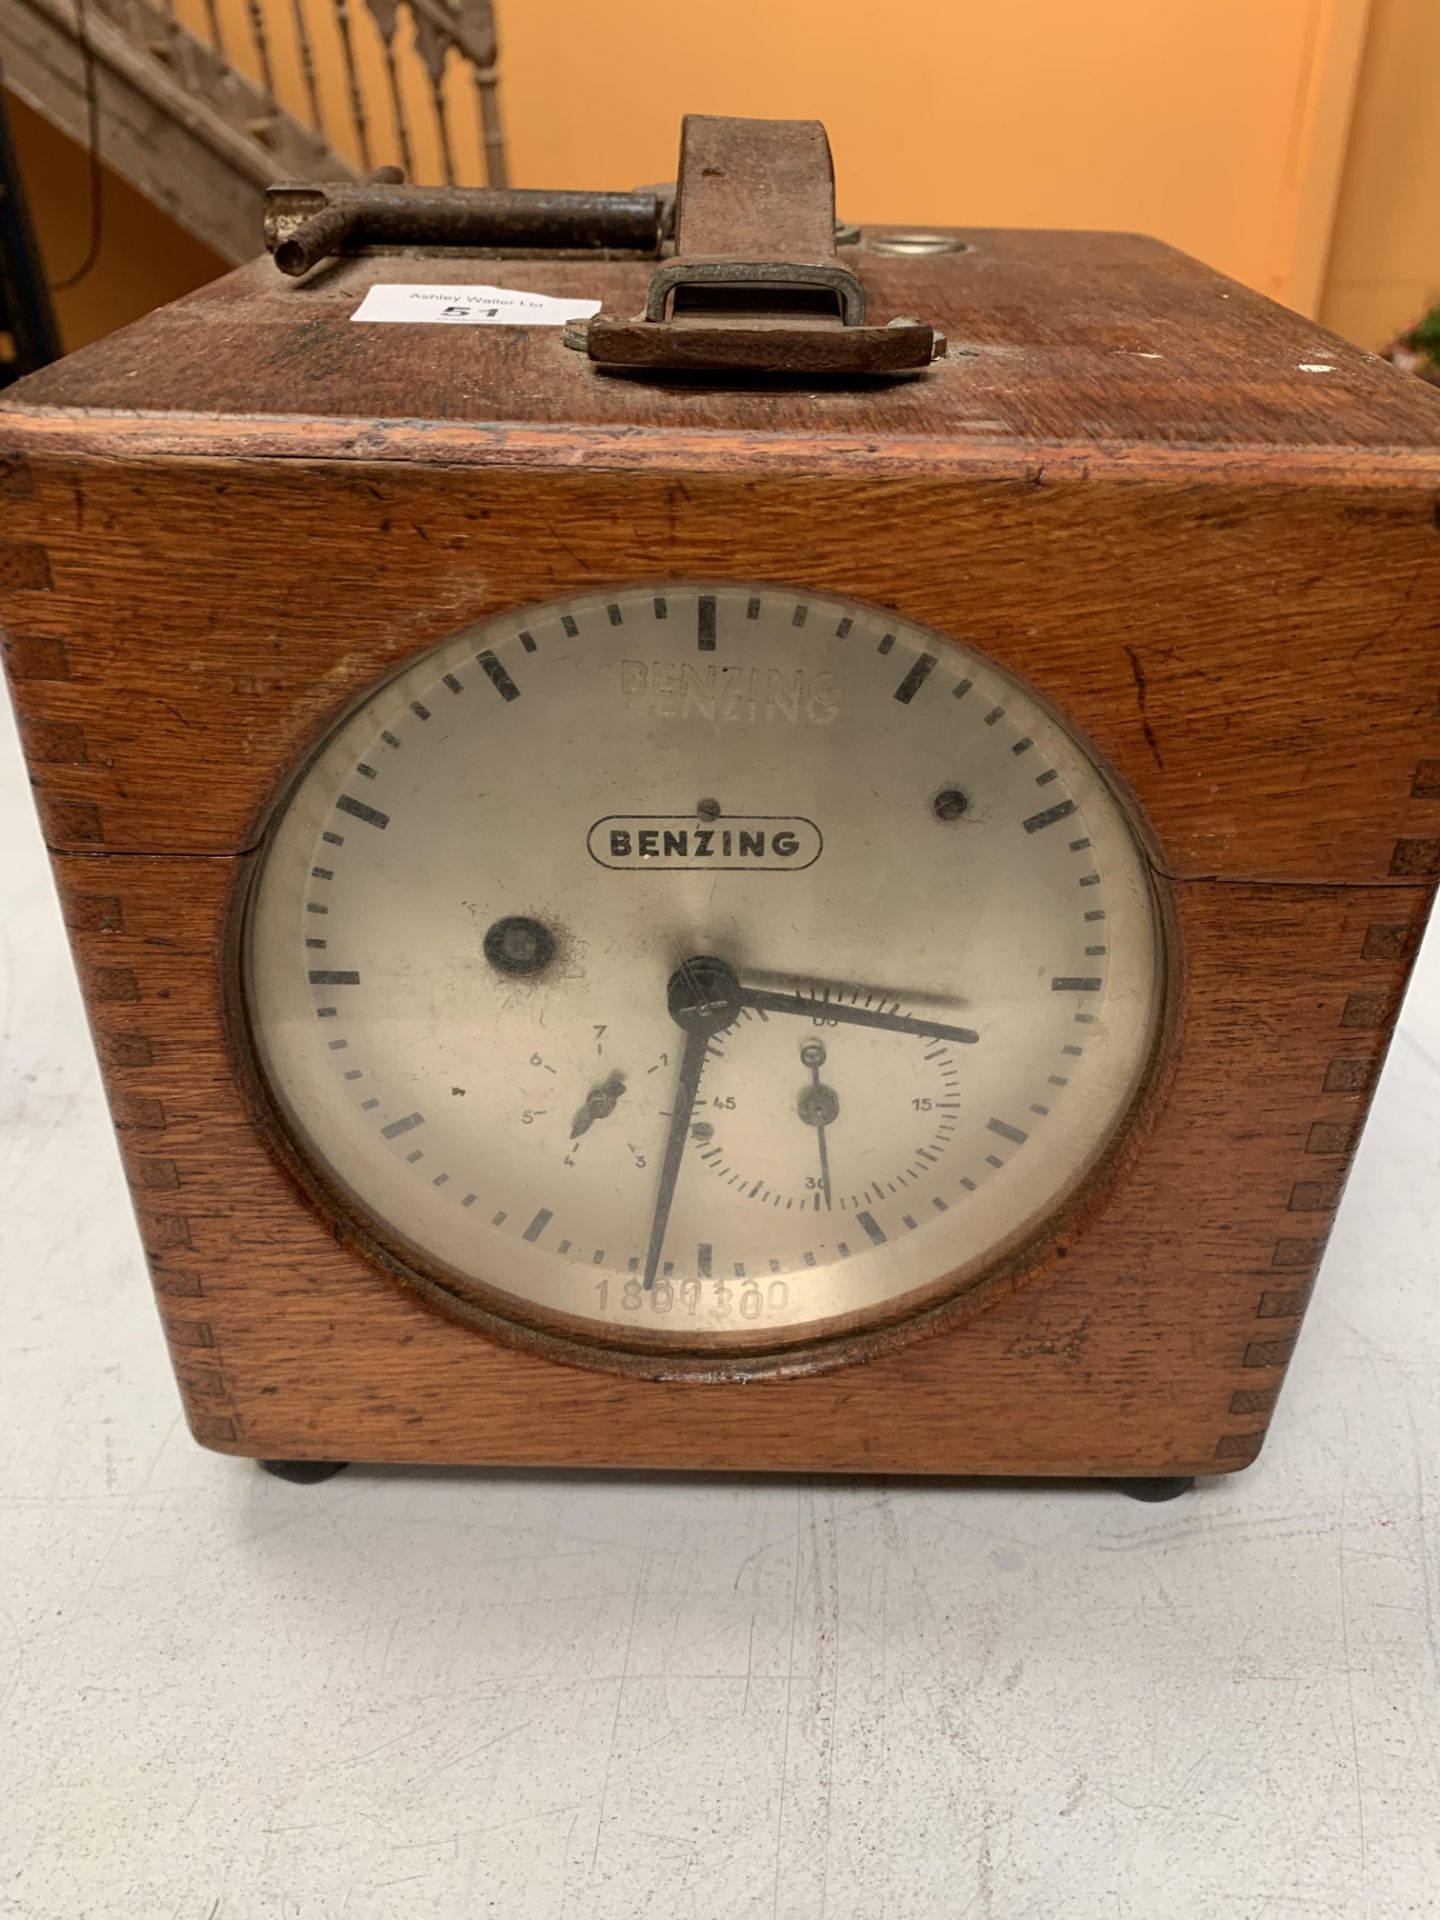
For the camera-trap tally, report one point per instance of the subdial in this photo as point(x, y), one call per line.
point(599, 1103)
point(590, 1099)
point(822, 1116)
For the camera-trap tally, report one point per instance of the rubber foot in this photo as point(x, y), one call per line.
point(305, 1473)
point(1153, 1490)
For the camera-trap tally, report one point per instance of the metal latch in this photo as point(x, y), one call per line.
point(755, 284)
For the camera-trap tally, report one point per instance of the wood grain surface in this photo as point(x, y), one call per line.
point(1257, 665)
point(1205, 531)
point(1155, 1344)
point(1102, 342)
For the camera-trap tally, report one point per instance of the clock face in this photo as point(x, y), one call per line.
point(702, 968)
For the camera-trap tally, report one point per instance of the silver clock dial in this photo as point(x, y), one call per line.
point(701, 966)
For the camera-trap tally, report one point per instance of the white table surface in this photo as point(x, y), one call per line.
point(616, 1696)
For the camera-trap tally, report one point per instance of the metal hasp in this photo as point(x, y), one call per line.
point(307, 224)
point(755, 285)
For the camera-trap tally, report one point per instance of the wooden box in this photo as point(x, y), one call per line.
point(1204, 530)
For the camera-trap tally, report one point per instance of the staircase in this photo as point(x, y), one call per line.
point(201, 104)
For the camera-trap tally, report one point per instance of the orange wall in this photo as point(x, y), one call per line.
point(1385, 252)
point(1219, 127)
point(1222, 128)
point(1207, 125)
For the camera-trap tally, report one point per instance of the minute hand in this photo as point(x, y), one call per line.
point(692, 1062)
point(765, 1000)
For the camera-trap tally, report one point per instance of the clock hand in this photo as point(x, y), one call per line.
point(783, 980)
point(763, 1000)
point(692, 1061)
point(704, 996)
point(817, 1106)
point(597, 1105)
point(701, 996)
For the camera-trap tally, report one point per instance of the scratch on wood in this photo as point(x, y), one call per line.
point(1141, 692)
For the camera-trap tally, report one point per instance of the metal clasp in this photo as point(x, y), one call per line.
point(755, 284)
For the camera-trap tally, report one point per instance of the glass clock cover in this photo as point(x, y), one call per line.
point(713, 969)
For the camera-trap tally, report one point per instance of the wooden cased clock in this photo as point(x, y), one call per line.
point(807, 871)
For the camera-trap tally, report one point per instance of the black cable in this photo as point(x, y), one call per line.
point(97, 174)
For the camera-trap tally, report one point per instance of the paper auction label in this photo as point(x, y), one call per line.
point(470, 307)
